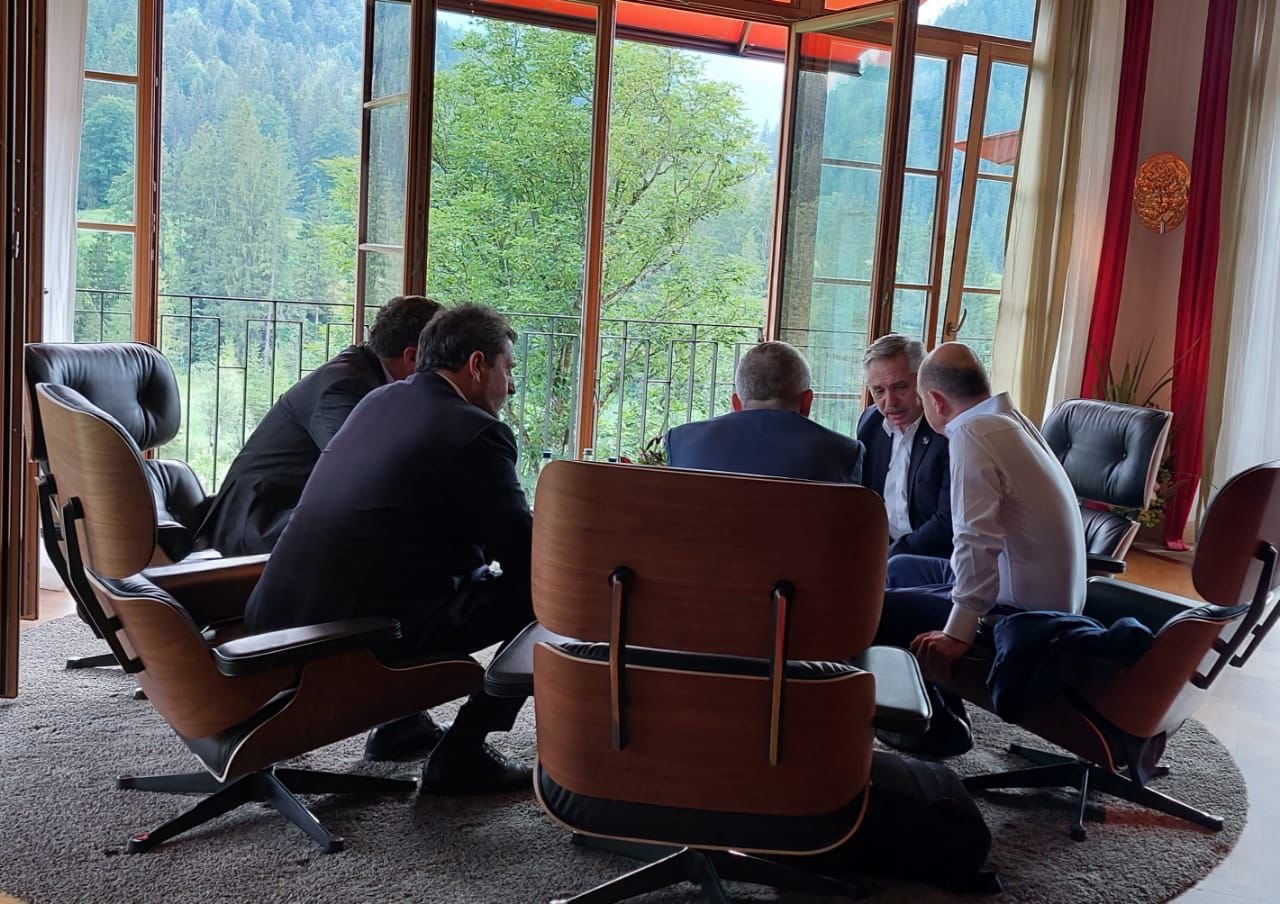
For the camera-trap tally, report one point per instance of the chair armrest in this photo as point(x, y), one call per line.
point(1104, 564)
point(902, 703)
point(1109, 600)
point(510, 673)
point(211, 590)
point(297, 646)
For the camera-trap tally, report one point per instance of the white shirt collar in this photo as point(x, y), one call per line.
point(386, 373)
point(460, 393)
point(997, 404)
point(907, 431)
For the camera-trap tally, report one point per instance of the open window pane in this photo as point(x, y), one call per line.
point(978, 327)
point(105, 191)
point(104, 286)
point(928, 94)
point(111, 36)
point(985, 267)
point(1008, 19)
point(383, 281)
point(915, 236)
point(511, 151)
point(391, 43)
point(692, 180)
point(910, 313)
point(388, 155)
point(833, 209)
point(1002, 126)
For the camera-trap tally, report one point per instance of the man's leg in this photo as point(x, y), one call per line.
point(908, 613)
point(910, 571)
point(462, 763)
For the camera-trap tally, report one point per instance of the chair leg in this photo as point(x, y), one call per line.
point(1039, 757)
point(185, 783)
point(708, 879)
point(735, 867)
point(100, 661)
point(307, 781)
point(1057, 775)
point(677, 867)
point(273, 791)
point(1077, 829)
point(1119, 786)
point(275, 787)
point(241, 791)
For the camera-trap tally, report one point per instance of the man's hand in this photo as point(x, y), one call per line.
point(937, 652)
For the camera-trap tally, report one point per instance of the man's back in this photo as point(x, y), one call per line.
point(417, 489)
point(766, 442)
point(1012, 500)
point(266, 479)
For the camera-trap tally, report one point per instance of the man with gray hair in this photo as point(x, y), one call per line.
point(1019, 541)
point(906, 461)
point(769, 432)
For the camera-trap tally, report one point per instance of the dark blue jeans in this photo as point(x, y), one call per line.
point(917, 599)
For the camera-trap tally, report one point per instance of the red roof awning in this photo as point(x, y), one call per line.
point(1000, 148)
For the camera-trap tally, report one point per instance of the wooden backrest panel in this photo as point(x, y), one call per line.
point(1244, 514)
point(701, 741)
point(179, 675)
point(92, 458)
point(707, 550)
point(1156, 693)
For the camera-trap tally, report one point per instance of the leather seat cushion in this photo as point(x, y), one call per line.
point(696, 828)
point(1105, 532)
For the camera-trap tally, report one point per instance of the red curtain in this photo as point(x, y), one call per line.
point(1199, 270)
point(1124, 165)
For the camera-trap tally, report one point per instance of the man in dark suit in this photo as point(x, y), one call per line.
point(266, 479)
point(907, 462)
point(413, 496)
point(769, 432)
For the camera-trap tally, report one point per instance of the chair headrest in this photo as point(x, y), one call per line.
point(1110, 451)
point(94, 460)
point(130, 381)
point(1243, 518)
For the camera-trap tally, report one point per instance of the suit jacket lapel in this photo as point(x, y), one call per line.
point(925, 437)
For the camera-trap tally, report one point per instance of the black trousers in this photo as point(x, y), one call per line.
point(493, 612)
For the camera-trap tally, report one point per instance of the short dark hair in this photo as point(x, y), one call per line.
point(771, 371)
point(962, 381)
point(399, 324)
point(451, 338)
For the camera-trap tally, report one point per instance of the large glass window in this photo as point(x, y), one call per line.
point(510, 159)
point(285, 172)
point(106, 182)
point(692, 171)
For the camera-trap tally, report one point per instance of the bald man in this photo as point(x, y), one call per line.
point(1019, 541)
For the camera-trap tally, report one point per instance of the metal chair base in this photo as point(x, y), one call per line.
point(708, 869)
point(276, 787)
point(1051, 770)
point(100, 661)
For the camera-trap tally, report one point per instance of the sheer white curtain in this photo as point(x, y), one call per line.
point(1059, 204)
point(64, 70)
point(1249, 270)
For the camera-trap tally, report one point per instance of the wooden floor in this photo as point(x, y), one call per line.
point(1239, 712)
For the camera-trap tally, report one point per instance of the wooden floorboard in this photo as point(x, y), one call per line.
point(1239, 712)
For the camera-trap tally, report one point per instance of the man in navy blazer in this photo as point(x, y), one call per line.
point(769, 432)
point(906, 461)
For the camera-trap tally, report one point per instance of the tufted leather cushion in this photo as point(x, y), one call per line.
point(1106, 533)
point(1111, 452)
point(131, 381)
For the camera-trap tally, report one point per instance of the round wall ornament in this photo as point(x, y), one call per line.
point(1160, 192)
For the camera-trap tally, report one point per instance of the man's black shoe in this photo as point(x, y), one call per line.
point(945, 737)
point(410, 738)
point(480, 771)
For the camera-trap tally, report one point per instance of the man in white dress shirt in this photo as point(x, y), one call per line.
point(1019, 542)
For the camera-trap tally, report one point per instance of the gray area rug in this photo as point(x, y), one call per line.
point(68, 735)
